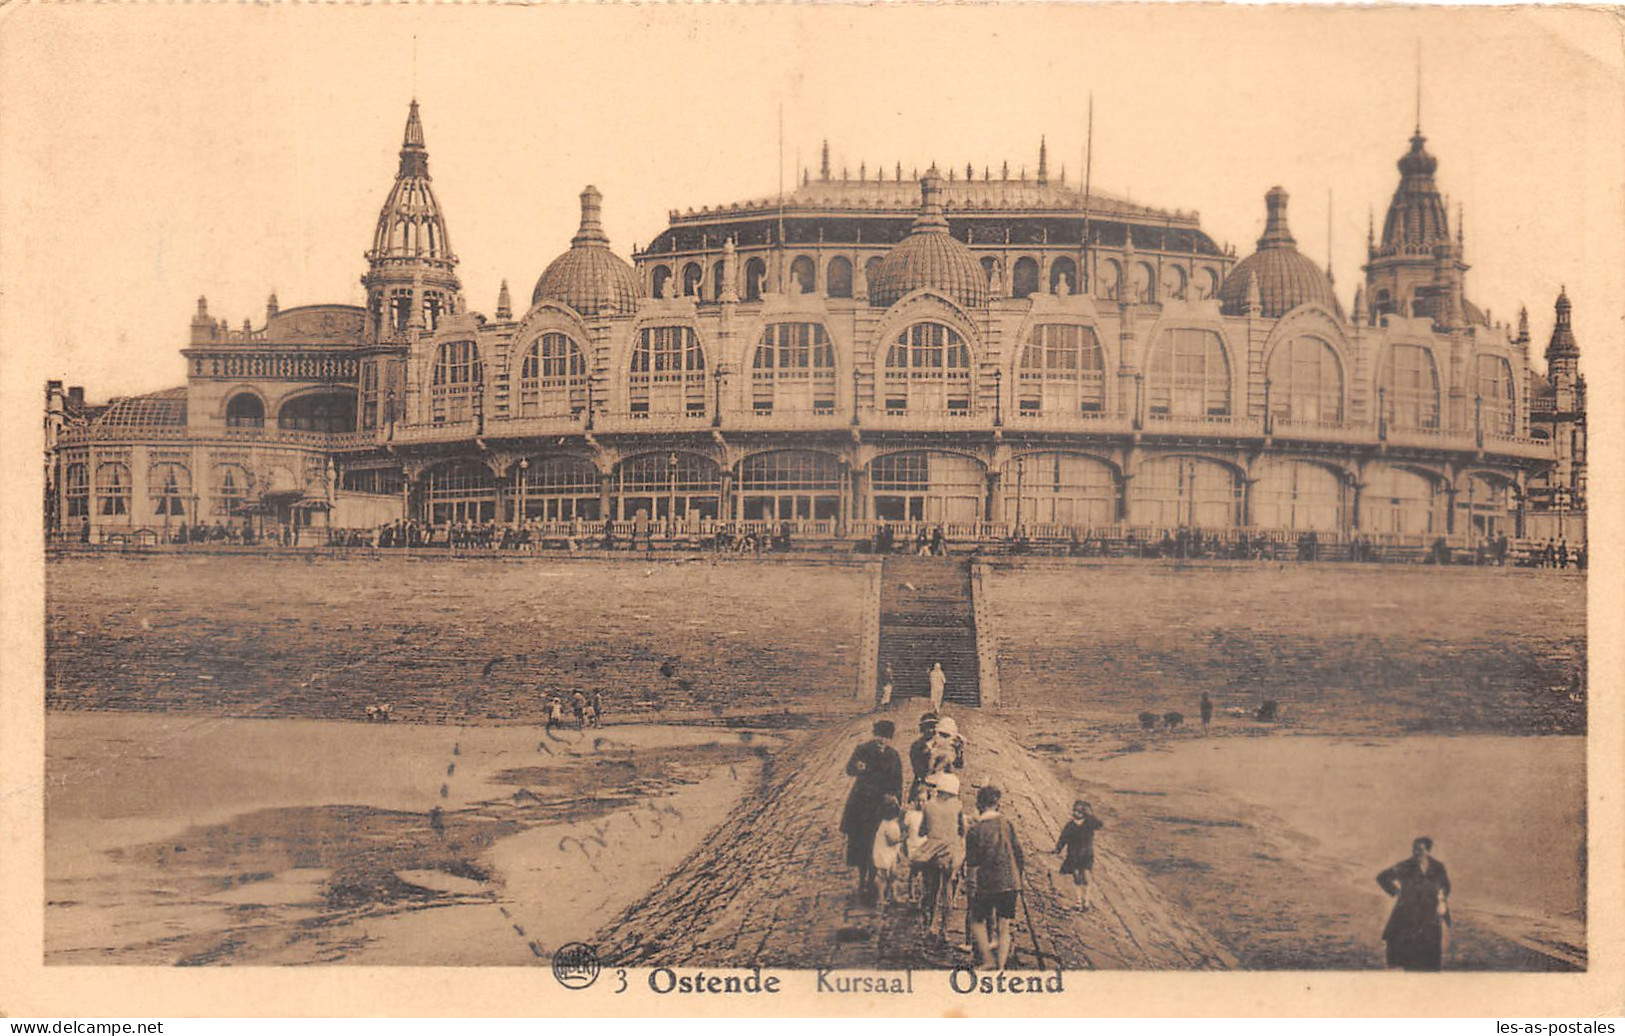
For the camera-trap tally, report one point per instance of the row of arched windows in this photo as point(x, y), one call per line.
point(1053, 487)
point(326, 411)
point(927, 369)
point(169, 489)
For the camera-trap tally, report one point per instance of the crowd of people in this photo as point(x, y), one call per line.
point(588, 709)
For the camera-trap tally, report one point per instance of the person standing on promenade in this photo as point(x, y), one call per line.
point(878, 772)
point(939, 685)
point(1207, 712)
point(1421, 915)
point(994, 860)
point(888, 682)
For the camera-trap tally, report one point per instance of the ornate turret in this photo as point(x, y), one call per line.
point(1283, 277)
point(589, 278)
point(1562, 352)
point(929, 257)
point(411, 278)
point(1419, 267)
point(1043, 160)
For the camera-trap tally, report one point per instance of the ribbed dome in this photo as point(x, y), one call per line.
point(1286, 277)
point(589, 278)
point(1416, 218)
point(929, 258)
point(410, 225)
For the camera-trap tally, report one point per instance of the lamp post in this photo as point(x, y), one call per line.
point(720, 379)
point(671, 488)
point(1382, 413)
point(479, 405)
point(854, 396)
point(1478, 420)
point(998, 397)
point(519, 515)
point(1269, 411)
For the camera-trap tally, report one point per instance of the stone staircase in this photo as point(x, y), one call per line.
point(926, 616)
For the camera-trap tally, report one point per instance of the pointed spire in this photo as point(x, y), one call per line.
point(899, 176)
point(1043, 161)
point(930, 217)
point(1562, 345)
point(863, 170)
point(271, 306)
point(414, 155)
point(504, 303)
point(970, 173)
point(1523, 325)
point(1276, 232)
point(806, 176)
point(1004, 173)
point(1461, 235)
point(592, 225)
point(823, 165)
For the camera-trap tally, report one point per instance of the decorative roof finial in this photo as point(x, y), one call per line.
point(1276, 233)
point(271, 306)
point(592, 225)
point(1419, 88)
point(414, 156)
point(970, 173)
point(930, 217)
point(1004, 173)
point(1043, 161)
point(504, 304)
point(823, 165)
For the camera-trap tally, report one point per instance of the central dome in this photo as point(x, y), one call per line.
point(929, 257)
point(1286, 277)
point(589, 278)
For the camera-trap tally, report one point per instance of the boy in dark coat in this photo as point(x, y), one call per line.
point(994, 860)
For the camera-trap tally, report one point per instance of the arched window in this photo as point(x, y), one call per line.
point(1207, 283)
point(231, 482)
point(1190, 375)
point(1109, 280)
point(1141, 279)
point(553, 378)
point(170, 486)
point(1058, 488)
point(684, 486)
point(1383, 301)
point(786, 484)
point(113, 488)
point(1024, 277)
point(659, 281)
point(1306, 382)
point(462, 491)
point(1180, 492)
point(1494, 401)
point(1397, 500)
point(755, 280)
point(1410, 383)
point(803, 276)
point(990, 273)
point(77, 484)
point(668, 372)
point(457, 370)
point(559, 489)
point(692, 276)
point(716, 279)
point(838, 278)
point(1063, 276)
point(793, 369)
point(920, 486)
point(1173, 282)
point(244, 410)
point(1062, 372)
point(871, 266)
point(327, 412)
point(1483, 507)
point(1291, 494)
point(928, 371)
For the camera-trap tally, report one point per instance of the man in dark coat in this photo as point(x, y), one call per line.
point(1415, 931)
point(878, 770)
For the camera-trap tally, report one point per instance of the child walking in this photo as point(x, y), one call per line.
point(994, 859)
point(888, 847)
point(913, 837)
point(1078, 842)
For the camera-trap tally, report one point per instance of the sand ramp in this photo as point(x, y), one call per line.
point(770, 887)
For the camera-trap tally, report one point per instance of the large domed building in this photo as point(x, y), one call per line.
point(987, 351)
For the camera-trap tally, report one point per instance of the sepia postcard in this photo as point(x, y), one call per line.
point(790, 510)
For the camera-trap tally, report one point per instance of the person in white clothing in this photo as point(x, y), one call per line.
point(939, 684)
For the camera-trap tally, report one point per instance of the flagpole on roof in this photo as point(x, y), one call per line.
point(1088, 173)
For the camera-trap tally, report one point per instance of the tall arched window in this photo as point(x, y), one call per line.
point(803, 276)
point(684, 486)
point(1058, 488)
point(1178, 492)
point(788, 484)
point(1190, 375)
point(793, 369)
point(1306, 382)
point(1291, 494)
point(668, 372)
point(553, 378)
point(1141, 282)
point(1410, 383)
point(77, 480)
point(330, 412)
point(838, 278)
point(1024, 277)
point(1494, 401)
point(716, 279)
point(755, 280)
point(170, 486)
point(560, 489)
point(660, 281)
point(1063, 276)
point(230, 489)
point(1397, 500)
point(1108, 280)
point(928, 370)
point(692, 276)
point(1207, 283)
point(113, 488)
point(244, 410)
point(918, 486)
point(1173, 282)
point(457, 370)
point(462, 491)
point(1062, 372)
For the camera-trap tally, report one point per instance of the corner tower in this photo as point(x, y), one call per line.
point(1418, 269)
point(411, 278)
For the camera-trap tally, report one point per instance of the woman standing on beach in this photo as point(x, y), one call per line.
point(1421, 914)
point(878, 770)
